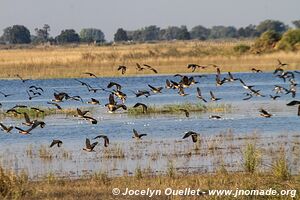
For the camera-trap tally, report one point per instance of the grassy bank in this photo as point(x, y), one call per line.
point(166, 57)
point(176, 108)
point(100, 185)
point(33, 113)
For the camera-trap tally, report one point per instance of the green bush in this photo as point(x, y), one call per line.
point(266, 42)
point(251, 158)
point(241, 48)
point(290, 40)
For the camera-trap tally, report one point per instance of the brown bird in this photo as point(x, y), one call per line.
point(139, 93)
point(55, 104)
point(151, 68)
point(58, 97)
point(88, 146)
point(213, 98)
point(254, 70)
point(90, 74)
point(136, 135)
point(215, 117)
point(106, 140)
point(281, 63)
point(23, 80)
point(144, 107)
point(138, 67)
point(122, 68)
point(264, 113)
point(14, 111)
point(194, 135)
point(292, 103)
point(81, 113)
point(24, 132)
point(168, 84)
point(181, 92)
point(27, 122)
point(154, 89)
point(186, 112)
point(113, 106)
point(91, 119)
point(111, 84)
point(37, 110)
point(274, 97)
point(94, 102)
point(56, 142)
point(199, 95)
point(5, 128)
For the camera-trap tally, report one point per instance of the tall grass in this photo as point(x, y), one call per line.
point(281, 167)
point(167, 57)
point(13, 186)
point(251, 158)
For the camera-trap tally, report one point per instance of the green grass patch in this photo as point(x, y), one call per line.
point(35, 114)
point(176, 108)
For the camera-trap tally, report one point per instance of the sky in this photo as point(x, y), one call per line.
point(110, 15)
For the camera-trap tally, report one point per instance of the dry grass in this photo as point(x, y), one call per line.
point(167, 57)
point(100, 185)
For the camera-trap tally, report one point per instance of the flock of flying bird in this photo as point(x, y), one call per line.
point(117, 98)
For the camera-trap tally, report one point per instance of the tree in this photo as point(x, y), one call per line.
point(174, 33)
point(150, 33)
point(223, 32)
point(68, 36)
point(271, 25)
point(183, 34)
point(17, 34)
point(290, 40)
point(266, 41)
point(92, 35)
point(199, 32)
point(296, 23)
point(42, 35)
point(120, 35)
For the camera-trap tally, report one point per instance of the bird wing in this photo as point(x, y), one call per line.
point(136, 134)
point(187, 134)
point(19, 128)
point(88, 143)
point(199, 92)
point(3, 126)
point(194, 137)
point(54, 142)
point(212, 95)
point(27, 119)
point(111, 99)
point(264, 112)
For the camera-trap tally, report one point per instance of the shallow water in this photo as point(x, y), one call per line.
point(22, 152)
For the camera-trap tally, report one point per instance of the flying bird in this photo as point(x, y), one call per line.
point(265, 113)
point(194, 135)
point(186, 112)
point(88, 146)
point(122, 68)
point(106, 140)
point(144, 107)
point(136, 135)
point(6, 129)
point(199, 95)
point(56, 142)
point(90, 74)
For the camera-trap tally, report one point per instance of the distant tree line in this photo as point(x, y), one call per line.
point(19, 34)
